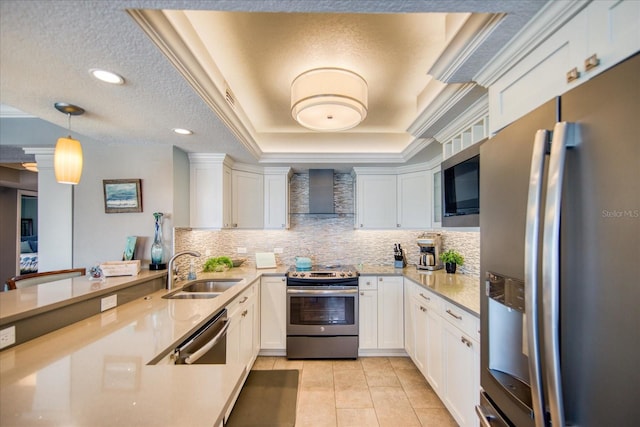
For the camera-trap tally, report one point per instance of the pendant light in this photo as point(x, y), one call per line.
point(67, 157)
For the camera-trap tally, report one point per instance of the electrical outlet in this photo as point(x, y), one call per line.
point(242, 250)
point(7, 336)
point(108, 302)
point(278, 250)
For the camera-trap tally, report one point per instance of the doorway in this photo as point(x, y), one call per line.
point(27, 232)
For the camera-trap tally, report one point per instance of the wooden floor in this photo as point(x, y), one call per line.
point(368, 392)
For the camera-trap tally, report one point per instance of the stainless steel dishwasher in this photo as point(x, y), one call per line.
point(208, 345)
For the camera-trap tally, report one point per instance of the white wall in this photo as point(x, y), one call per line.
point(99, 236)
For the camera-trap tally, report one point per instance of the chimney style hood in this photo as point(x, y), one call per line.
point(321, 191)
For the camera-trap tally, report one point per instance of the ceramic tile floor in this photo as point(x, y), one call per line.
point(368, 392)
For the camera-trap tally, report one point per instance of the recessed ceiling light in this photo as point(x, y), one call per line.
point(107, 76)
point(181, 131)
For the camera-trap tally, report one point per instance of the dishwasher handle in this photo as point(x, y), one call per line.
point(193, 357)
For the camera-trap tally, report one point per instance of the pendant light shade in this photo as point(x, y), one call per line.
point(329, 99)
point(67, 160)
point(67, 157)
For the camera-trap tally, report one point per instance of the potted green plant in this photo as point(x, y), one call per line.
point(451, 259)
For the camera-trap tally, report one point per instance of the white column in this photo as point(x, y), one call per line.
point(55, 215)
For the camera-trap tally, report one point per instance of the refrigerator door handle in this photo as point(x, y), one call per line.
point(531, 263)
point(565, 135)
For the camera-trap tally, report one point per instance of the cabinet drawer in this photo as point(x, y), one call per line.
point(241, 300)
point(428, 299)
point(466, 322)
point(367, 283)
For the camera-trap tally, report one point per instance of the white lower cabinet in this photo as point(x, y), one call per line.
point(461, 361)
point(442, 341)
point(273, 315)
point(381, 312)
point(243, 333)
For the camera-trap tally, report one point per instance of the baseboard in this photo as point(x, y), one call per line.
point(382, 352)
point(272, 352)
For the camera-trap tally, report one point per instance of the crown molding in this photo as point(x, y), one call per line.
point(471, 115)
point(157, 27)
point(450, 96)
point(473, 34)
point(552, 16)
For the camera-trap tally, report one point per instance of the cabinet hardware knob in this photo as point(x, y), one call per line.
point(591, 62)
point(243, 300)
point(573, 74)
point(423, 309)
point(425, 297)
point(244, 313)
point(362, 293)
point(466, 342)
point(450, 313)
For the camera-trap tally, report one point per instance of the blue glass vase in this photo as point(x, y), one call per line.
point(157, 246)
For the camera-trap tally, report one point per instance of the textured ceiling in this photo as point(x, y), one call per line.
point(47, 48)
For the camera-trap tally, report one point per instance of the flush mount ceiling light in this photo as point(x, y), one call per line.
point(67, 157)
point(329, 99)
point(107, 76)
point(181, 131)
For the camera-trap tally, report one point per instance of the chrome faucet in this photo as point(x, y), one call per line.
point(173, 271)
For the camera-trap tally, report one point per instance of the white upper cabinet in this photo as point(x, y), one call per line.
point(247, 199)
point(210, 191)
point(596, 38)
point(414, 204)
point(376, 201)
point(388, 198)
point(227, 195)
point(276, 198)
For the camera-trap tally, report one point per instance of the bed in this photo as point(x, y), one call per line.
point(28, 254)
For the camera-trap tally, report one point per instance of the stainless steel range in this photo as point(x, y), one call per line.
point(322, 312)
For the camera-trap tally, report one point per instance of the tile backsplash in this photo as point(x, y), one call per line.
point(325, 238)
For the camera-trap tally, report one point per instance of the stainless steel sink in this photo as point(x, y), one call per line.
point(183, 295)
point(210, 285)
point(202, 289)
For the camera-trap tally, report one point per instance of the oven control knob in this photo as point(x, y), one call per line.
point(302, 274)
point(349, 273)
point(342, 274)
point(294, 274)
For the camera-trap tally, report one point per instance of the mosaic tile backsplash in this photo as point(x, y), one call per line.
point(322, 237)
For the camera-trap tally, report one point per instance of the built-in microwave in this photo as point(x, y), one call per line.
point(461, 188)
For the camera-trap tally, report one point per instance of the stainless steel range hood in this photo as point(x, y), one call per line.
point(321, 191)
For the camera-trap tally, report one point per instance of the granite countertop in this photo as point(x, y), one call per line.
point(95, 372)
point(460, 289)
point(24, 302)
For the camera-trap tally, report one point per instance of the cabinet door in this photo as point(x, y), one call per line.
point(233, 337)
point(276, 201)
point(390, 312)
point(420, 330)
point(207, 191)
point(409, 321)
point(273, 313)
point(461, 373)
point(247, 332)
point(433, 338)
point(376, 201)
point(247, 199)
point(227, 217)
point(414, 201)
point(436, 184)
point(368, 319)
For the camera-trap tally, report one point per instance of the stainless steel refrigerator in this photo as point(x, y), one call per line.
point(560, 254)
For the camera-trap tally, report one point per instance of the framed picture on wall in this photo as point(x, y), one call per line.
point(122, 195)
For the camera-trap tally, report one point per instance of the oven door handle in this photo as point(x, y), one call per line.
point(322, 292)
